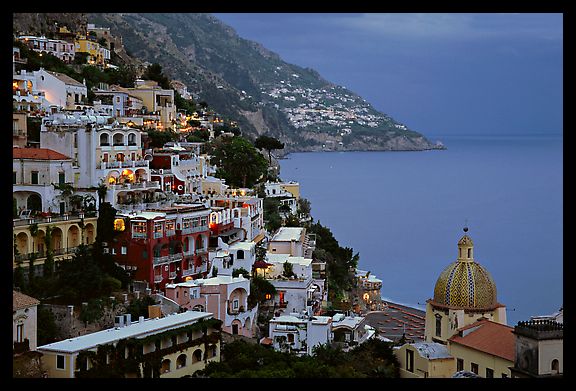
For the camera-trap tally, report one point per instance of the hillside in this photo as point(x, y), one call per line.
point(245, 82)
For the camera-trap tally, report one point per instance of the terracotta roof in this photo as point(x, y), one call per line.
point(20, 300)
point(37, 154)
point(488, 337)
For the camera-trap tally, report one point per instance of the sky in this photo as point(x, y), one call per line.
point(439, 74)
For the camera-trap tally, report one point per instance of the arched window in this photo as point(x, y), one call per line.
point(132, 139)
point(181, 361)
point(438, 325)
point(196, 356)
point(118, 139)
point(555, 367)
point(469, 253)
point(104, 140)
point(165, 366)
point(240, 254)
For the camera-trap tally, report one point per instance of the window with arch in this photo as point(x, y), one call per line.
point(240, 254)
point(104, 140)
point(469, 253)
point(132, 139)
point(118, 139)
point(181, 361)
point(555, 366)
point(196, 356)
point(438, 325)
point(165, 366)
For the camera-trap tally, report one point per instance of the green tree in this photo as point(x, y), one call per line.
point(288, 270)
point(259, 287)
point(154, 72)
point(237, 272)
point(47, 328)
point(239, 163)
point(18, 278)
point(160, 137)
point(268, 143)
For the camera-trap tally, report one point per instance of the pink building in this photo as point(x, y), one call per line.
point(224, 296)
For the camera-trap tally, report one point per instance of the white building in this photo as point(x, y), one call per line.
point(64, 50)
point(61, 90)
point(102, 154)
point(26, 94)
point(34, 171)
point(351, 330)
point(297, 293)
point(291, 240)
point(24, 321)
point(300, 333)
point(239, 255)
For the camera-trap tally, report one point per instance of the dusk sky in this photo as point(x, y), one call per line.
point(440, 74)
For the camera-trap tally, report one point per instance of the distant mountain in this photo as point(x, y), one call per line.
point(244, 81)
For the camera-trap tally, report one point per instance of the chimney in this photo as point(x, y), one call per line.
point(119, 322)
point(141, 319)
point(128, 319)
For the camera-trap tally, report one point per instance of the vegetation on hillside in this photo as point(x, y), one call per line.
point(372, 359)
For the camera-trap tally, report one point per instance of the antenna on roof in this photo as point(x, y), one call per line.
point(466, 225)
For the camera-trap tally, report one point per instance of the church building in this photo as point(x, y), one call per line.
point(465, 321)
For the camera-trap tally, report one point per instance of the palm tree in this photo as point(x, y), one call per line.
point(49, 262)
point(33, 228)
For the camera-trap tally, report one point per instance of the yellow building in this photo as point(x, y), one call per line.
point(97, 54)
point(156, 100)
point(66, 235)
point(465, 321)
point(173, 346)
point(425, 359)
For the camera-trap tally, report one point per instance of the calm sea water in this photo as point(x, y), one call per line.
point(404, 212)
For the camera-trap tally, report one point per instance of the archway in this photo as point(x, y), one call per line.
point(89, 233)
point(56, 241)
point(181, 361)
point(34, 202)
point(73, 239)
point(22, 241)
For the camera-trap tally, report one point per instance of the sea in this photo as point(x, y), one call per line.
point(404, 212)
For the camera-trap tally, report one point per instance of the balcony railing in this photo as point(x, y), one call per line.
point(166, 258)
point(42, 254)
point(124, 164)
point(140, 185)
point(21, 347)
point(172, 275)
point(190, 230)
point(50, 219)
point(188, 272)
point(158, 278)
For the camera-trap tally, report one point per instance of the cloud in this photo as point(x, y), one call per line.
point(451, 26)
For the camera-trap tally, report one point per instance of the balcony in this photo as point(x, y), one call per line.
point(159, 259)
point(158, 278)
point(124, 164)
point(190, 230)
point(145, 185)
point(188, 272)
point(172, 275)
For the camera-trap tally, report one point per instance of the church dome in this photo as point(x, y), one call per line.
point(465, 283)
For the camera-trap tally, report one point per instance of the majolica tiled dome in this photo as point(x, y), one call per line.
point(464, 283)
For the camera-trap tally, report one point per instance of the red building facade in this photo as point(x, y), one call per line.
point(165, 245)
